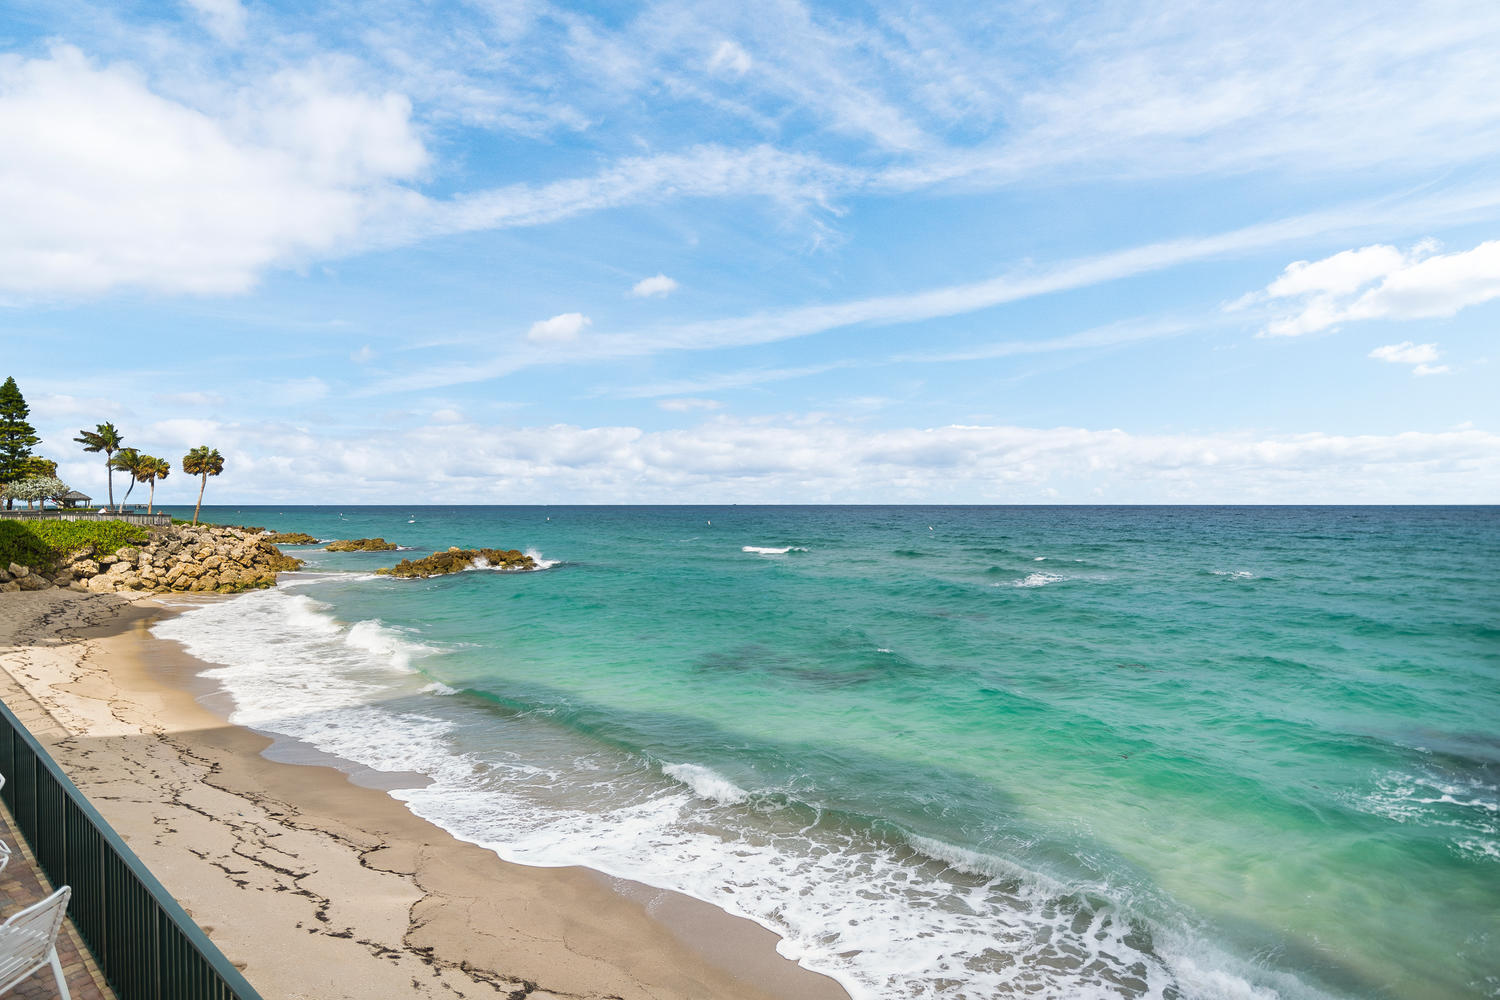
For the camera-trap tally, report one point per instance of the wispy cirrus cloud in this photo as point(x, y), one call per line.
point(826, 107)
point(1022, 283)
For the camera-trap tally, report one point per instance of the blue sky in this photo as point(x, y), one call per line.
point(498, 252)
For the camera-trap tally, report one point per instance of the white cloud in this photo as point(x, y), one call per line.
point(1341, 274)
point(658, 286)
point(270, 170)
point(810, 460)
point(1406, 353)
point(225, 19)
point(105, 183)
point(1381, 282)
point(363, 356)
point(684, 404)
point(559, 329)
point(448, 415)
point(729, 57)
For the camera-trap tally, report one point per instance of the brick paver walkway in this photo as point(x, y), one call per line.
point(21, 884)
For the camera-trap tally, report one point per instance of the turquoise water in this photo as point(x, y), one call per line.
point(945, 752)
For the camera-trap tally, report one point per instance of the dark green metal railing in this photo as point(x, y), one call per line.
point(145, 944)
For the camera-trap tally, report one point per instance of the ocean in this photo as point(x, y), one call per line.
point(945, 752)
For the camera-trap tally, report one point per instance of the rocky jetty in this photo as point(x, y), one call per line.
point(456, 560)
point(202, 559)
point(361, 545)
point(292, 538)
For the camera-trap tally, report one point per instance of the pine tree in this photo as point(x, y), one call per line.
point(16, 435)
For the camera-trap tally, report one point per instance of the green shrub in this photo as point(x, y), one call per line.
point(39, 544)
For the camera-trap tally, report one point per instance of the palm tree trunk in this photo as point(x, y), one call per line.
point(126, 498)
point(110, 475)
point(151, 500)
point(201, 487)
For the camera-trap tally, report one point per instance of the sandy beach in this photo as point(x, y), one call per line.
point(320, 885)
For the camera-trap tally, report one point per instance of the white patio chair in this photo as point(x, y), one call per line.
point(28, 941)
point(4, 847)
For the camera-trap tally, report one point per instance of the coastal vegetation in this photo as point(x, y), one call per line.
point(40, 544)
point(361, 545)
point(455, 560)
point(202, 461)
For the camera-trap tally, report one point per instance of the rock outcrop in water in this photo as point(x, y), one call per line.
point(456, 560)
point(292, 538)
point(361, 545)
point(185, 559)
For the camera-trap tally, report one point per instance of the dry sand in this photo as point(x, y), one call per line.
point(323, 888)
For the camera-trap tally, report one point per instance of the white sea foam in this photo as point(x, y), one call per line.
point(439, 688)
point(766, 550)
point(1234, 574)
point(384, 644)
point(542, 562)
point(284, 658)
point(1037, 580)
point(706, 783)
point(1468, 807)
point(1040, 559)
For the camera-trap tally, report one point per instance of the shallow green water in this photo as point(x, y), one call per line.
point(947, 751)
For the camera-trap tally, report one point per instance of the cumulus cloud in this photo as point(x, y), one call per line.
point(106, 183)
point(657, 287)
point(1380, 282)
point(559, 329)
point(807, 460)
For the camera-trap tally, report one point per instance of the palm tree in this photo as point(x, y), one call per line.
point(202, 461)
point(151, 469)
point(129, 462)
point(103, 438)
